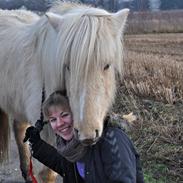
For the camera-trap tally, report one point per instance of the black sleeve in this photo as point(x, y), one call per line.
point(119, 160)
point(48, 155)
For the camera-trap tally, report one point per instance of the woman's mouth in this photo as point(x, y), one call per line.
point(65, 130)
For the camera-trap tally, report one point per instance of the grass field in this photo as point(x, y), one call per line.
point(153, 90)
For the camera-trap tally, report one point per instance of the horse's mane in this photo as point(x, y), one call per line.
point(23, 16)
point(86, 39)
point(64, 7)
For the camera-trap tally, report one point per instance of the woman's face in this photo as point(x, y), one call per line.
point(61, 122)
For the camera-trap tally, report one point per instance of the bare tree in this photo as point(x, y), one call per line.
point(11, 4)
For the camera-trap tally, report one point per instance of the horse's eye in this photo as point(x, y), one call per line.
point(67, 67)
point(106, 67)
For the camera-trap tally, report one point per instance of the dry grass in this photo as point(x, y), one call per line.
point(153, 90)
point(154, 67)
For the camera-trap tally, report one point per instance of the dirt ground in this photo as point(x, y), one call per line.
point(10, 171)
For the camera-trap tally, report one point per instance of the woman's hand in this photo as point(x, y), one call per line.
point(32, 134)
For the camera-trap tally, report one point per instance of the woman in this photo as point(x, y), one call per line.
point(113, 159)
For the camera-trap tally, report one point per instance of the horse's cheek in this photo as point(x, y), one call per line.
point(109, 83)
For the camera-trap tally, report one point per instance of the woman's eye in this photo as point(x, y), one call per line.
point(52, 120)
point(106, 67)
point(65, 115)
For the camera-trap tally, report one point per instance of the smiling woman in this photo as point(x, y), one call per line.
point(56, 109)
point(78, 163)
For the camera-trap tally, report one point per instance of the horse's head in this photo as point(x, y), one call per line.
point(91, 48)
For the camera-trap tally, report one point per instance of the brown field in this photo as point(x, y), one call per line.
point(153, 90)
point(154, 65)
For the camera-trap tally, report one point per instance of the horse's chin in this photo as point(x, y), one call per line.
point(89, 142)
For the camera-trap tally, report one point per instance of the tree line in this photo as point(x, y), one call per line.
point(111, 5)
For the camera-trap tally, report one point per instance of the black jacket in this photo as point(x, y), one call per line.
point(113, 159)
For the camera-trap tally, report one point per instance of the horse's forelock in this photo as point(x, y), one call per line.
point(88, 41)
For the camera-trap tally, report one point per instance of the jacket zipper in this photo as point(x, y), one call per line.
point(75, 174)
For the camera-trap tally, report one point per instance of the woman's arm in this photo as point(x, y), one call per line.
point(48, 155)
point(42, 151)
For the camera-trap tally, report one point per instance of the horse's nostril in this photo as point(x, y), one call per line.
point(97, 133)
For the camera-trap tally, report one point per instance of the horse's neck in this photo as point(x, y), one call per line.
point(45, 54)
point(45, 45)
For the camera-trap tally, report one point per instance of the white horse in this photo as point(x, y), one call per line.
point(72, 47)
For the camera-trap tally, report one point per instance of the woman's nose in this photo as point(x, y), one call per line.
point(60, 122)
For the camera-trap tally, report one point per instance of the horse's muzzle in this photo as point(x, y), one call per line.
point(89, 141)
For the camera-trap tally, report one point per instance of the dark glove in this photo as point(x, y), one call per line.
point(32, 134)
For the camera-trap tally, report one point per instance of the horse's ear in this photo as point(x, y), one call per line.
point(121, 17)
point(54, 19)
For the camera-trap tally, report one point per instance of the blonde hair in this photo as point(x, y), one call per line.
point(55, 99)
